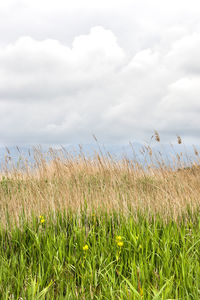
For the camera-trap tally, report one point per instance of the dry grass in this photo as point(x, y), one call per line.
point(100, 184)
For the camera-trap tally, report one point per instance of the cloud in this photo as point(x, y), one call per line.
point(185, 54)
point(41, 70)
point(55, 93)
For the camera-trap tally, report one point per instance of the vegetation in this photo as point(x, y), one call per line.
point(96, 228)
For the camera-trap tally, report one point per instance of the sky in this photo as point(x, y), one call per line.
point(115, 69)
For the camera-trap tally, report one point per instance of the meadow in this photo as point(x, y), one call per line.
point(97, 228)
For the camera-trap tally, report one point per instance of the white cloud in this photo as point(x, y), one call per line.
point(185, 54)
point(137, 71)
point(42, 70)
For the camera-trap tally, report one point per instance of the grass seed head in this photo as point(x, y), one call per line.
point(179, 139)
point(157, 137)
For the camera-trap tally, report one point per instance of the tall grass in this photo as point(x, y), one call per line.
point(97, 228)
point(58, 181)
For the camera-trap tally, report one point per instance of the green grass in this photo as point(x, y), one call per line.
point(158, 260)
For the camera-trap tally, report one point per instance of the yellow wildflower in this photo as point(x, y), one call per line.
point(85, 248)
point(118, 238)
point(42, 220)
point(120, 244)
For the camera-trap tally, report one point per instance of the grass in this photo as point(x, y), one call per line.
point(96, 228)
point(50, 260)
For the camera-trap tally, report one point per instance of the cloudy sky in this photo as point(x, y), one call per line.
point(116, 69)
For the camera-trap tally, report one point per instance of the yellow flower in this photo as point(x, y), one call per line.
point(85, 248)
point(42, 220)
point(118, 238)
point(120, 244)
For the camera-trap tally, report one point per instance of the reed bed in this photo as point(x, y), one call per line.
point(58, 181)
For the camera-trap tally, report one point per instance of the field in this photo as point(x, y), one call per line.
point(96, 228)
